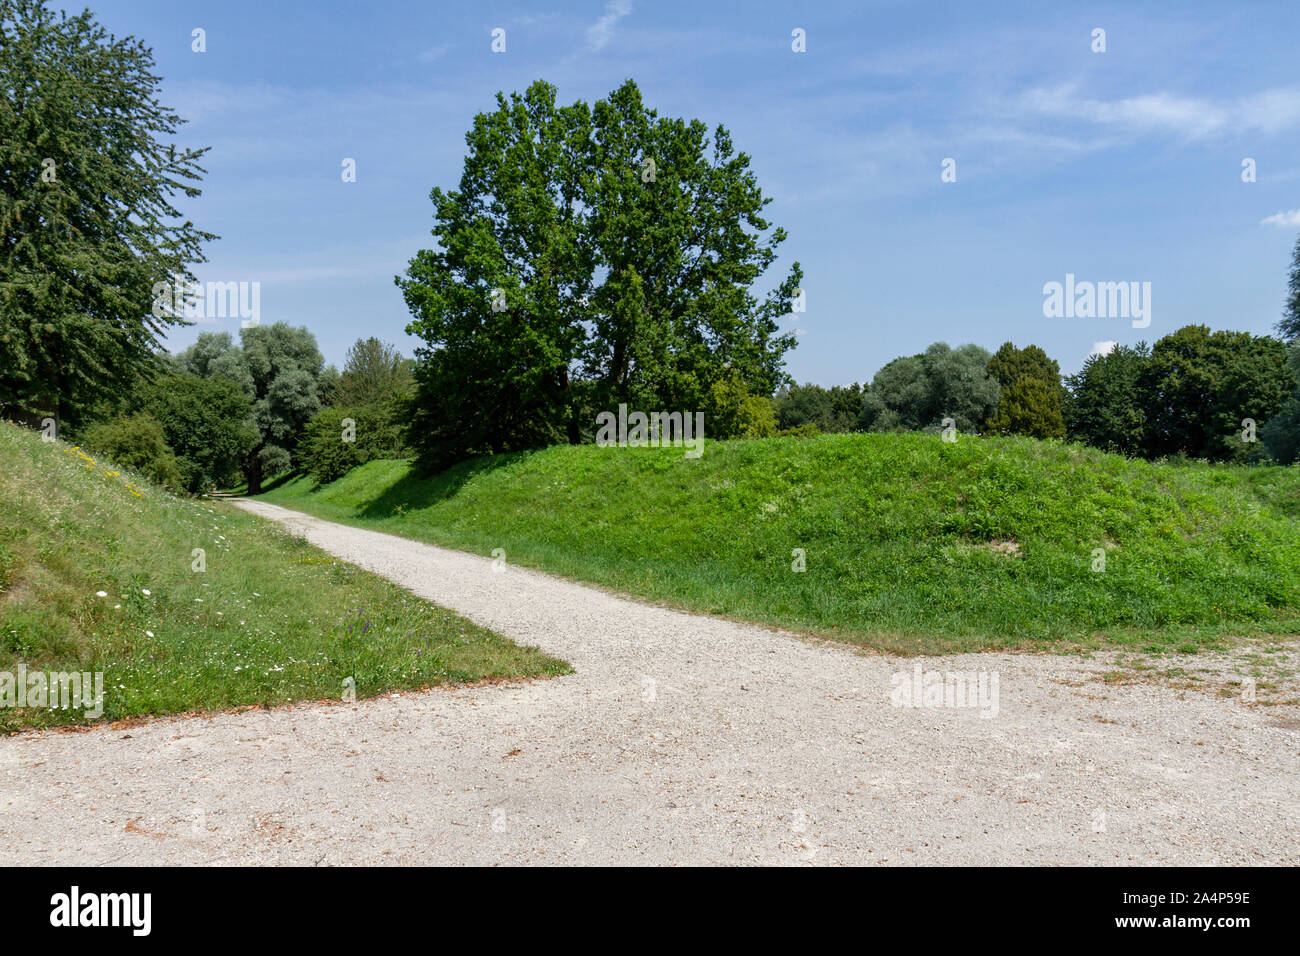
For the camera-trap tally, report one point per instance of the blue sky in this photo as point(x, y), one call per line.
point(1117, 166)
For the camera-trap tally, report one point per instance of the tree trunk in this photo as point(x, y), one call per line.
point(253, 472)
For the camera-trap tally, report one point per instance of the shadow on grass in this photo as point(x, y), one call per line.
point(241, 490)
point(414, 491)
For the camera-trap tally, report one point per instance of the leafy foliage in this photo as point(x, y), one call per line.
point(591, 256)
point(829, 410)
point(1289, 327)
point(87, 225)
point(1031, 394)
point(919, 391)
point(207, 423)
point(137, 442)
point(1106, 407)
point(1199, 387)
point(339, 439)
point(373, 373)
point(1282, 433)
point(279, 368)
point(731, 411)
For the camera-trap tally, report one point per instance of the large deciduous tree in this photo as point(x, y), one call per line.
point(1106, 407)
point(1201, 386)
point(920, 391)
point(87, 222)
point(279, 367)
point(590, 256)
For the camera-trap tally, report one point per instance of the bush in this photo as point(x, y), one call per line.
point(339, 439)
point(829, 410)
point(208, 425)
point(136, 442)
point(732, 411)
point(799, 431)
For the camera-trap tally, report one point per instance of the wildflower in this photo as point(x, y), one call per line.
point(148, 633)
point(101, 594)
point(145, 592)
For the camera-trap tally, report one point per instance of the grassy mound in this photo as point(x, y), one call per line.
point(270, 619)
point(910, 543)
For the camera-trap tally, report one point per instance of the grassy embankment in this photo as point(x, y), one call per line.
point(270, 620)
point(911, 543)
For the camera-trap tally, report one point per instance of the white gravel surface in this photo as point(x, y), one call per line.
point(679, 740)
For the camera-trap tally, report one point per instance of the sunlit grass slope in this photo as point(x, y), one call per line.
point(910, 542)
point(98, 572)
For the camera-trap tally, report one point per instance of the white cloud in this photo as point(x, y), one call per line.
point(434, 52)
point(602, 31)
point(1102, 348)
point(1287, 217)
point(1270, 111)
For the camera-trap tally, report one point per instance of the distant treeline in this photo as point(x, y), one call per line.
point(1221, 396)
point(220, 413)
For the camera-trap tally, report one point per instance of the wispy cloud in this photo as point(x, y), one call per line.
point(602, 31)
point(434, 52)
point(1286, 218)
point(1269, 112)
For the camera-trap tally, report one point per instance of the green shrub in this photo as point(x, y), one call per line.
point(806, 430)
point(732, 411)
point(339, 439)
point(137, 442)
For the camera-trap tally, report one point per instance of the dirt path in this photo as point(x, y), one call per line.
point(680, 739)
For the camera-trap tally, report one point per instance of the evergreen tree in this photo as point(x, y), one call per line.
point(1031, 393)
point(87, 225)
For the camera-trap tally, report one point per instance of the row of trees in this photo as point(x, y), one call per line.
point(1194, 393)
point(600, 255)
point(1215, 395)
point(219, 412)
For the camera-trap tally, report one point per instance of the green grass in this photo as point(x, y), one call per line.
point(271, 620)
point(908, 539)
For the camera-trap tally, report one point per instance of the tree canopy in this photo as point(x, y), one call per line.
point(590, 256)
point(1200, 386)
point(920, 391)
point(834, 409)
point(1031, 393)
point(1106, 408)
point(280, 368)
point(87, 222)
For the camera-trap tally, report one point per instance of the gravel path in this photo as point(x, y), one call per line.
point(679, 740)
